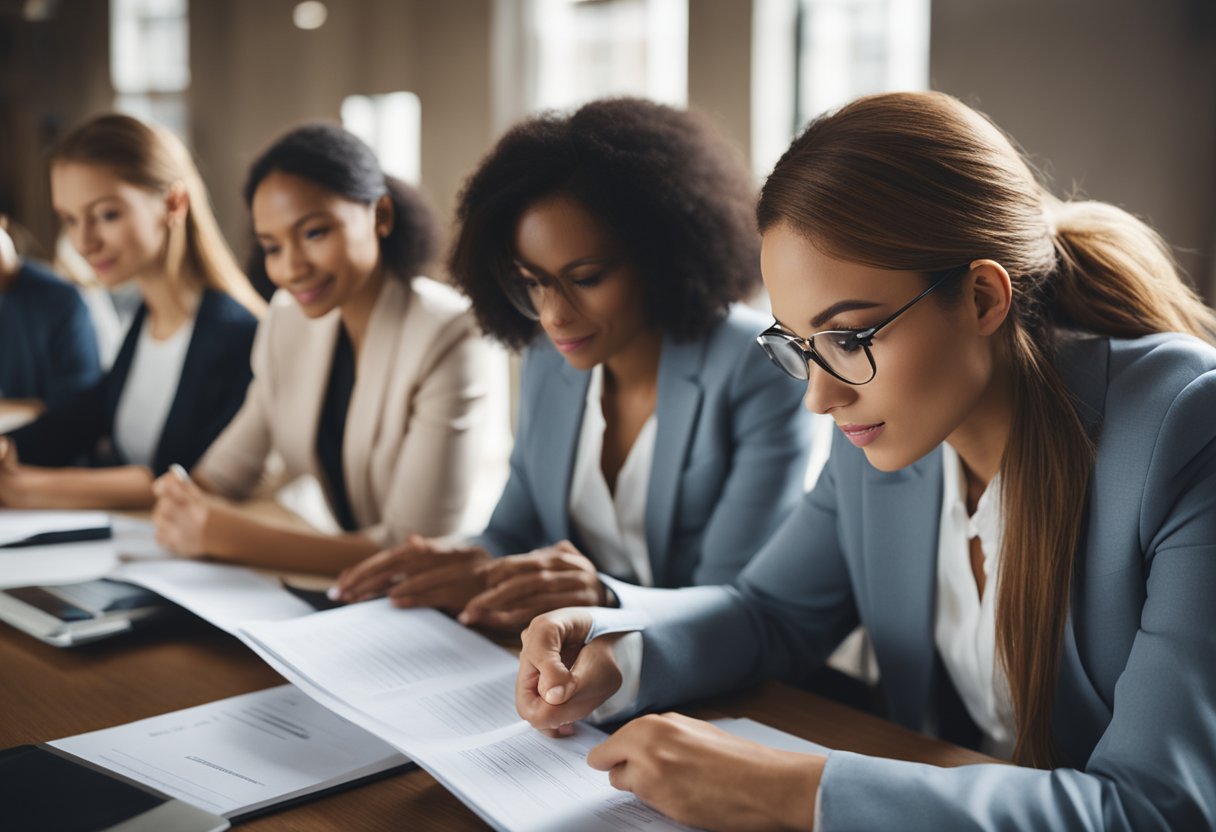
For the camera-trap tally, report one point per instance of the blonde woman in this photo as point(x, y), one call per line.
point(131, 201)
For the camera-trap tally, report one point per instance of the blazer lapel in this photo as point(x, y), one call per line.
point(900, 551)
point(116, 379)
point(677, 408)
point(373, 379)
point(558, 420)
point(199, 354)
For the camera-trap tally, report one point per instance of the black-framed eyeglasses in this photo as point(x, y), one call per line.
point(528, 288)
point(842, 353)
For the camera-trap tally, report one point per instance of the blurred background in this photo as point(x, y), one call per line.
point(1112, 98)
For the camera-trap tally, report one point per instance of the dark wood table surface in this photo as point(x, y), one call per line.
point(47, 693)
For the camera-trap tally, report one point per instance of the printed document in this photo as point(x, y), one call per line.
point(445, 696)
point(241, 754)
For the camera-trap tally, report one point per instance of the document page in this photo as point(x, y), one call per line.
point(56, 564)
point(226, 596)
point(239, 754)
point(445, 696)
point(414, 671)
point(17, 525)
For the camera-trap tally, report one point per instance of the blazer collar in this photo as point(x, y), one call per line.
point(559, 421)
point(558, 414)
point(677, 409)
point(374, 369)
point(1083, 362)
point(904, 587)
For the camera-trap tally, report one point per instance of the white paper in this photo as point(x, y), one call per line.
point(18, 525)
point(239, 754)
point(445, 696)
point(136, 538)
point(226, 596)
point(57, 564)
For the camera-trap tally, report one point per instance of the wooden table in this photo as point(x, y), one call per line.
point(47, 693)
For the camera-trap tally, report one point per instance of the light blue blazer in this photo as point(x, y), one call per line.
point(729, 462)
point(1135, 708)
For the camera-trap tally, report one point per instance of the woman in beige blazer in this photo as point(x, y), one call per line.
point(367, 378)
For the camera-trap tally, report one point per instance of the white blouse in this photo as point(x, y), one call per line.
point(143, 405)
point(612, 526)
point(965, 627)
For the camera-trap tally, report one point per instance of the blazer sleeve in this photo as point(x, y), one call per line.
point(232, 465)
point(515, 523)
point(434, 471)
point(68, 431)
point(1154, 767)
point(771, 440)
point(792, 605)
point(74, 362)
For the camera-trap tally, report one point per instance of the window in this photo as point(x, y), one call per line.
point(391, 124)
point(563, 53)
point(150, 60)
point(814, 55)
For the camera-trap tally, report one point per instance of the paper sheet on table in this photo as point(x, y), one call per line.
point(444, 696)
point(56, 564)
point(18, 525)
point(136, 538)
point(226, 596)
point(239, 754)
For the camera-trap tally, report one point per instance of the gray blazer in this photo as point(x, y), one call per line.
point(1135, 709)
point(729, 460)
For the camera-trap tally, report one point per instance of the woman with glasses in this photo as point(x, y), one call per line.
point(366, 375)
point(652, 446)
point(1020, 507)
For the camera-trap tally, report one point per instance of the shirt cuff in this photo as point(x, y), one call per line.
point(628, 654)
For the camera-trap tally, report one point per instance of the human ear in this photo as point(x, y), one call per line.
point(177, 204)
point(991, 294)
point(385, 216)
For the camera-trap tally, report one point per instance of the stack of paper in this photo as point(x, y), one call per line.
point(445, 697)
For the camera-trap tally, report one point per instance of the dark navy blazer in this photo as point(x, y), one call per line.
point(209, 393)
point(48, 348)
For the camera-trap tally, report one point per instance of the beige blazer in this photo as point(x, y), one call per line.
point(415, 413)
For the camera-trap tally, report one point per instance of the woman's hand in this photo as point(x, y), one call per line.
point(521, 587)
point(418, 573)
point(181, 514)
point(562, 680)
point(700, 775)
point(18, 483)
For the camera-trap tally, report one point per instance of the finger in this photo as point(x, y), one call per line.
point(542, 650)
point(426, 583)
point(614, 751)
point(510, 593)
point(521, 613)
point(503, 569)
point(373, 575)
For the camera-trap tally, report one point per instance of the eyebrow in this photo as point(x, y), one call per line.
point(841, 306)
point(573, 264)
point(310, 215)
point(89, 205)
